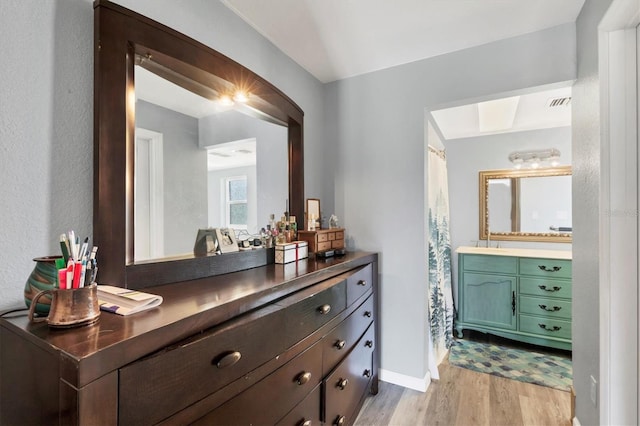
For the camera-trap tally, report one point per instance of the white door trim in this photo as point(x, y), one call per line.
point(619, 333)
point(156, 191)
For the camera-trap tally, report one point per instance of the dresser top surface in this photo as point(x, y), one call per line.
point(516, 252)
point(188, 307)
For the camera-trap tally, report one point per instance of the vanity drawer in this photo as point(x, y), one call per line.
point(198, 366)
point(496, 264)
point(358, 283)
point(341, 339)
point(545, 287)
point(546, 307)
point(549, 268)
point(345, 386)
point(545, 326)
point(315, 309)
point(306, 411)
point(274, 396)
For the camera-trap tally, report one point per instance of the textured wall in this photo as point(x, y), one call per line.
point(586, 238)
point(376, 122)
point(46, 120)
point(46, 132)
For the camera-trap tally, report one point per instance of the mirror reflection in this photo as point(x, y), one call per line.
point(533, 205)
point(200, 163)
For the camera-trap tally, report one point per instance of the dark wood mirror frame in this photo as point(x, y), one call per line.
point(120, 34)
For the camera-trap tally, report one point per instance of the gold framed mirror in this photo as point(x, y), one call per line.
point(526, 205)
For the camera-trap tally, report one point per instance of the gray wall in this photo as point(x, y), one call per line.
point(376, 126)
point(46, 120)
point(586, 238)
point(185, 175)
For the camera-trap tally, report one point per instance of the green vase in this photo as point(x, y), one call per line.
point(43, 277)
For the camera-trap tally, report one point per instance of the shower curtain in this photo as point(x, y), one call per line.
point(439, 257)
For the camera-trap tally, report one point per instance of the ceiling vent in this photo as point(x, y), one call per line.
point(557, 102)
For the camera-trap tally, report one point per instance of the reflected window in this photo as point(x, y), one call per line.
point(236, 202)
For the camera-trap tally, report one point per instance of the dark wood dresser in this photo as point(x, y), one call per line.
point(291, 344)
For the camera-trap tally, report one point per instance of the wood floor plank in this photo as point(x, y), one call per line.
point(467, 398)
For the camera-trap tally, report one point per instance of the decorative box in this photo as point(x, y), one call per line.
point(290, 252)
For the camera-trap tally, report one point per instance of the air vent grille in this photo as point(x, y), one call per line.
point(557, 102)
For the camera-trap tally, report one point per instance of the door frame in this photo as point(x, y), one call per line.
point(619, 223)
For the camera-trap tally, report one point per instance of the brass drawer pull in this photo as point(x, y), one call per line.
point(342, 383)
point(366, 373)
point(340, 421)
point(340, 344)
point(324, 309)
point(227, 359)
point(554, 269)
point(554, 309)
point(303, 378)
point(554, 328)
point(362, 282)
point(367, 314)
point(304, 422)
point(544, 287)
point(369, 343)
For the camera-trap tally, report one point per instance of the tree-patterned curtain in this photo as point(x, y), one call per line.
point(440, 297)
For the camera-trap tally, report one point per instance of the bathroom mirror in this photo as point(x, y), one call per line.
point(124, 41)
point(526, 205)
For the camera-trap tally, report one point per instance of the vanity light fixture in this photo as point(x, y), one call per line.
point(534, 159)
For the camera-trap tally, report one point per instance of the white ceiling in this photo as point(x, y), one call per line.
point(525, 112)
point(336, 39)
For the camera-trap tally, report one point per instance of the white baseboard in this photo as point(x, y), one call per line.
point(410, 382)
point(576, 422)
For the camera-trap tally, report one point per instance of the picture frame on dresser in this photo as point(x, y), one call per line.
point(313, 213)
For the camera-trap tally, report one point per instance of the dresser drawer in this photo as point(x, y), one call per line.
point(323, 236)
point(545, 287)
point(345, 386)
point(337, 244)
point(545, 326)
point(198, 366)
point(341, 339)
point(274, 396)
point(496, 264)
point(548, 268)
point(306, 412)
point(324, 246)
point(545, 307)
point(315, 309)
point(358, 283)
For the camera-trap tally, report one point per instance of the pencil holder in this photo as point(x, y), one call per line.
point(69, 307)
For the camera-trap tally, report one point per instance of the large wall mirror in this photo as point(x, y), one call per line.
point(526, 205)
point(185, 138)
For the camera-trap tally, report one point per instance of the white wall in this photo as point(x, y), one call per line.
point(46, 120)
point(377, 131)
point(586, 238)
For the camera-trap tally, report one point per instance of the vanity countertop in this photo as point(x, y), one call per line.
point(519, 252)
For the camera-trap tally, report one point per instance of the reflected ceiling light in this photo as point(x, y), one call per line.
point(225, 100)
point(498, 114)
point(534, 159)
point(241, 97)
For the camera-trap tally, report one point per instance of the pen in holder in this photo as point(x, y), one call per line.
point(69, 307)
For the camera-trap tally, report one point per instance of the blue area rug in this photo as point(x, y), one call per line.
point(516, 364)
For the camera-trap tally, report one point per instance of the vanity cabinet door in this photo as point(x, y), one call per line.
point(489, 300)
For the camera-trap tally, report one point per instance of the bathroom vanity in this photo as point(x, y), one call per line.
point(521, 294)
point(268, 345)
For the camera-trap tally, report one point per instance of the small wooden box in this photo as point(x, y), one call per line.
point(323, 239)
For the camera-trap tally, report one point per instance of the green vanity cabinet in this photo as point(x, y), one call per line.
point(520, 297)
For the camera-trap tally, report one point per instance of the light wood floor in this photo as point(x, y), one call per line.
point(465, 398)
